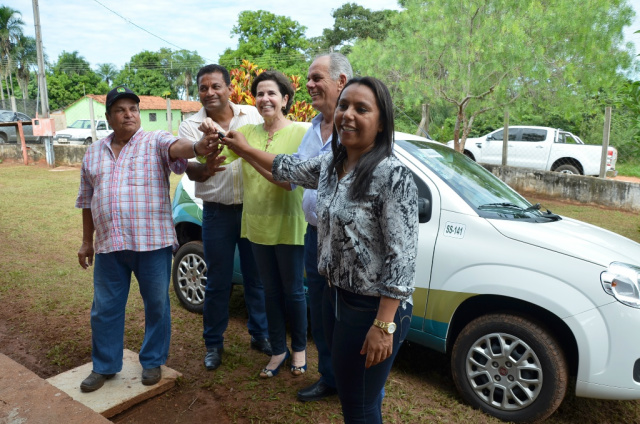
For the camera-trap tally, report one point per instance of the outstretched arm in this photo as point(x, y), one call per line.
point(184, 148)
point(256, 157)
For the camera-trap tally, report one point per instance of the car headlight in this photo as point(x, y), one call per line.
point(622, 281)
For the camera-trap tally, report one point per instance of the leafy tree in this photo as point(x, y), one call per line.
point(145, 82)
point(107, 71)
point(69, 79)
point(65, 89)
point(11, 24)
point(270, 41)
point(480, 56)
point(156, 73)
point(353, 22)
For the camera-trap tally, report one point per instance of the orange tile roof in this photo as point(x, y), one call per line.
point(185, 106)
point(156, 103)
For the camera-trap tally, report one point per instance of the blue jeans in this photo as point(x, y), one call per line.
point(111, 283)
point(315, 285)
point(282, 273)
point(220, 235)
point(348, 317)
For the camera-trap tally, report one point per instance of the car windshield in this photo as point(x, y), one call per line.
point(7, 116)
point(483, 191)
point(81, 124)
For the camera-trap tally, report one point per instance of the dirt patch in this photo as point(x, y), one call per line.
point(624, 178)
point(65, 168)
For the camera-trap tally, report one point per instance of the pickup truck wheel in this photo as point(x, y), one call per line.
point(87, 141)
point(469, 155)
point(567, 169)
point(190, 276)
point(3, 138)
point(510, 367)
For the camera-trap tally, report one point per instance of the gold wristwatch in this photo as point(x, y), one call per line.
point(387, 327)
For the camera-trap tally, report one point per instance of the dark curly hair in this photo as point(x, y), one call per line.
point(284, 85)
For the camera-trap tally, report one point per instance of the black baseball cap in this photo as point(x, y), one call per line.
point(120, 92)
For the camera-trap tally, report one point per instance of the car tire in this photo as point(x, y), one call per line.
point(469, 155)
point(189, 276)
point(87, 141)
point(510, 367)
point(3, 138)
point(567, 169)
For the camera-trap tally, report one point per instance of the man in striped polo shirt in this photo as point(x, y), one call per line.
point(222, 195)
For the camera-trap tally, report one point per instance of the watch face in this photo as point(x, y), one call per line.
point(392, 328)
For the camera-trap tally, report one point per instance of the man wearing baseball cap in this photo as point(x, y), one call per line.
point(124, 197)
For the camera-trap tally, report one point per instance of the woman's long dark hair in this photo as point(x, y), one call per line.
point(383, 144)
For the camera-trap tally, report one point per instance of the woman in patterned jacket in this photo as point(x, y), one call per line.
point(367, 240)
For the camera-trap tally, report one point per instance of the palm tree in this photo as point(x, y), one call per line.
point(187, 62)
point(107, 72)
point(26, 56)
point(72, 63)
point(11, 24)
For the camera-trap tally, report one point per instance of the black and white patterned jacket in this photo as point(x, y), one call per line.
point(367, 247)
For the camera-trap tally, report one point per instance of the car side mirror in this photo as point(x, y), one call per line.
point(424, 210)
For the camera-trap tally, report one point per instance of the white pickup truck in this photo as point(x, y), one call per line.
point(80, 132)
point(540, 148)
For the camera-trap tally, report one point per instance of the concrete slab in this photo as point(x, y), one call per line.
point(27, 398)
point(118, 394)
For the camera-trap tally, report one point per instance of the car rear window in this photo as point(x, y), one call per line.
point(534, 134)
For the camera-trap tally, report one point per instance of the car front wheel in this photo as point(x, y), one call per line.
point(510, 367)
point(190, 276)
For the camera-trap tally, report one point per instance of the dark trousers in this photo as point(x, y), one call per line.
point(315, 285)
point(281, 271)
point(220, 236)
point(348, 317)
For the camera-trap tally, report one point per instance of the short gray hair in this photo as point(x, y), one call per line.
point(338, 64)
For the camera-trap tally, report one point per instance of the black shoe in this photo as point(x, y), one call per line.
point(263, 345)
point(318, 390)
point(213, 358)
point(151, 376)
point(94, 381)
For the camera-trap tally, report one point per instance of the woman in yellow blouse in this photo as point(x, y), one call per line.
point(273, 221)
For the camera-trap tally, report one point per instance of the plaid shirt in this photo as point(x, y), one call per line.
point(129, 196)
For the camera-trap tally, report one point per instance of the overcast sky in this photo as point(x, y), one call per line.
point(111, 31)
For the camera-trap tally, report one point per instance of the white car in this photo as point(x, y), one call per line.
point(524, 300)
point(79, 132)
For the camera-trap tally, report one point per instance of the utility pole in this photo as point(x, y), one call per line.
point(42, 83)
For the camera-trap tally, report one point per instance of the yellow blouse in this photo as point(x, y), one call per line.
point(272, 215)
